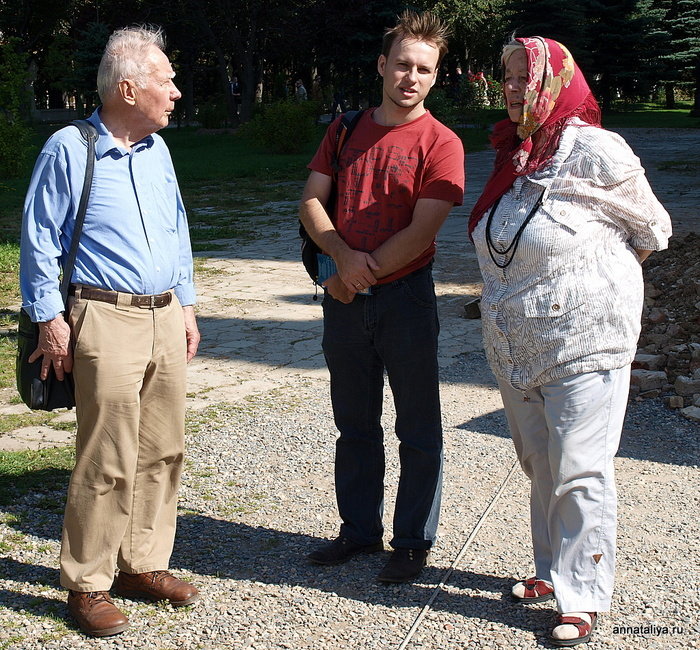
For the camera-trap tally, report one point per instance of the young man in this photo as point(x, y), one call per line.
point(127, 334)
point(401, 172)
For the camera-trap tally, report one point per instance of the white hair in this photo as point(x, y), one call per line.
point(126, 57)
point(509, 49)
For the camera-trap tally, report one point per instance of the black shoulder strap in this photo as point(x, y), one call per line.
point(89, 133)
point(347, 125)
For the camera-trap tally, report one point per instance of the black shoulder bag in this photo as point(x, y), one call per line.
point(309, 249)
point(49, 393)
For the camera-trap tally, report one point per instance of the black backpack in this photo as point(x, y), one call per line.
point(309, 249)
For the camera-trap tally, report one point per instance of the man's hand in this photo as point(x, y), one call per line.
point(356, 269)
point(336, 287)
point(191, 331)
point(55, 347)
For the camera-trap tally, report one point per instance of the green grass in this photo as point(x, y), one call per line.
point(8, 352)
point(42, 471)
point(650, 116)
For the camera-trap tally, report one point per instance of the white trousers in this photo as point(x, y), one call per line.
point(566, 434)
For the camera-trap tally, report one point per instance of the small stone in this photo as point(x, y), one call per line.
point(650, 394)
point(675, 402)
point(648, 379)
point(472, 308)
point(694, 350)
point(686, 386)
point(692, 413)
point(657, 316)
point(649, 361)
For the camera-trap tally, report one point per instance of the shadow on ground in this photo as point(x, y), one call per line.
point(230, 550)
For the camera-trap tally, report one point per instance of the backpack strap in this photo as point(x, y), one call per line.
point(89, 133)
point(348, 122)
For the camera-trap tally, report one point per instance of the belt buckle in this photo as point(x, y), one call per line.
point(152, 301)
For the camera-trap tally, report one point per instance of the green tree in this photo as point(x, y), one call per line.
point(610, 40)
point(678, 30)
point(14, 135)
point(480, 29)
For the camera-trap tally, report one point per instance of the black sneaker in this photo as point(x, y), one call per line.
point(340, 550)
point(404, 565)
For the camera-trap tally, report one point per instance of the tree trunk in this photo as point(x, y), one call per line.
point(251, 70)
point(669, 90)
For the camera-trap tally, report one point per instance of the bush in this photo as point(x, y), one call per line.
point(442, 106)
point(283, 127)
point(14, 143)
point(14, 135)
point(494, 93)
point(213, 114)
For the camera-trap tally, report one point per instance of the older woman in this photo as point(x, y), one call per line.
point(561, 230)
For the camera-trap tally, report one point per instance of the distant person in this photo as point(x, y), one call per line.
point(127, 333)
point(379, 308)
point(338, 103)
point(236, 93)
point(561, 230)
point(299, 91)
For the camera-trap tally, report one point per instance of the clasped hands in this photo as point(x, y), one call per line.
point(355, 273)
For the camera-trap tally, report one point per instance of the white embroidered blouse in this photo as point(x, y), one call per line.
point(570, 300)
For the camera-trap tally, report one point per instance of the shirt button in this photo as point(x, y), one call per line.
point(493, 307)
point(158, 269)
point(652, 223)
point(555, 307)
point(562, 213)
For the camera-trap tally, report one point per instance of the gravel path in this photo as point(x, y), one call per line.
point(258, 495)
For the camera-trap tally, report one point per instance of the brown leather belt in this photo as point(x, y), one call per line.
point(143, 301)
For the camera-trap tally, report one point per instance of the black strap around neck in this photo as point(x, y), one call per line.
point(516, 240)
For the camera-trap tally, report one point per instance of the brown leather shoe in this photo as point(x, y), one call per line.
point(156, 585)
point(95, 613)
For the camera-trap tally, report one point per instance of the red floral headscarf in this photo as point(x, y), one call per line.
point(556, 91)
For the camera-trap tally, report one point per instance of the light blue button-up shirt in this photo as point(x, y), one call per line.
point(135, 237)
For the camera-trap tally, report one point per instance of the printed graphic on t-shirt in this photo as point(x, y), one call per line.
point(377, 194)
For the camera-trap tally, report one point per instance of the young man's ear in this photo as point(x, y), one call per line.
point(381, 64)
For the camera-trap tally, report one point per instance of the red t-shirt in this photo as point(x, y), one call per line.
point(384, 170)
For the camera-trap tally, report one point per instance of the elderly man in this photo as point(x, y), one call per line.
point(127, 332)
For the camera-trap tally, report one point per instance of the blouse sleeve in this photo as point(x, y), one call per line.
point(626, 197)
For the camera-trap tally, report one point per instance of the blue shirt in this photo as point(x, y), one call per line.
point(135, 237)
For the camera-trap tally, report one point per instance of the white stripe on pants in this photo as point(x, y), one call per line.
point(566, 434)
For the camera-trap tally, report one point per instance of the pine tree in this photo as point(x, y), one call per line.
point(681, 22)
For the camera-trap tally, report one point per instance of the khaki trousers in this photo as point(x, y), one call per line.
point(130, 382)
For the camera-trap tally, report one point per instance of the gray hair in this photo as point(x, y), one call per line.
point(126, 57)
point(509, 49)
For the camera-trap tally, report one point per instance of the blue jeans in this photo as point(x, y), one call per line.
point(396, 328)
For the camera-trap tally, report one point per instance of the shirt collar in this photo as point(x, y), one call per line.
point(545, 176)
point(106, 143)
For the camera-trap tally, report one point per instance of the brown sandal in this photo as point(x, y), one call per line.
point(532, 590)
point(563, 636)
